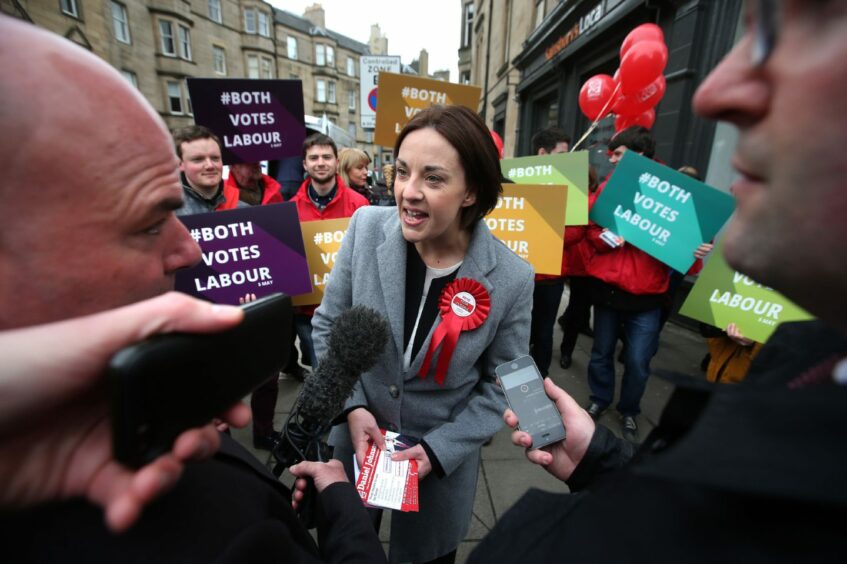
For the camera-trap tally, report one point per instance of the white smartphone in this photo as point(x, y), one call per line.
point(611, 239)
point(537, 414)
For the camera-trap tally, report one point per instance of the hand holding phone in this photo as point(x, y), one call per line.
point(524, 389)
point(611, 239)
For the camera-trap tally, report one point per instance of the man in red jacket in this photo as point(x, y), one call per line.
point(247, 186)
point(323, 195)
point(627, 293)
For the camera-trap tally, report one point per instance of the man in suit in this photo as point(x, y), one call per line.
point(104, 237)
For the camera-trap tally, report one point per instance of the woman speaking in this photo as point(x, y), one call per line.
point(458, 303)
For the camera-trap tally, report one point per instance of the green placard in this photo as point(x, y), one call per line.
point(569, 169)
point(663, 212)
point(722, 296)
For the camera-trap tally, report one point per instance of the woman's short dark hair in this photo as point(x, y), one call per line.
point(467, 133)
point(635, 138)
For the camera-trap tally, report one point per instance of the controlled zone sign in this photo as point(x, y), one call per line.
point(369, 68)
point(722, 296)
point(663, 212)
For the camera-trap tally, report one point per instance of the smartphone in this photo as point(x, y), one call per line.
point(167, 384)
point(524, 389)
point(611, 239)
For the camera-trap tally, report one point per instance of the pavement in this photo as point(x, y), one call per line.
point(505, 474)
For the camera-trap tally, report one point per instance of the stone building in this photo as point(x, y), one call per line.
point(157, 44)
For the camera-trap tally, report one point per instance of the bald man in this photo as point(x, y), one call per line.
point(87, 224)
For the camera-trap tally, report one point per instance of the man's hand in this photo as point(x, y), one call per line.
point(418, 453)
point(561, 458)
point(324, 474)
point(363, 431)
point(703, 250)
point(55, 433)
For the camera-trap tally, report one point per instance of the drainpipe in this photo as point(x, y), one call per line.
point(487, 59)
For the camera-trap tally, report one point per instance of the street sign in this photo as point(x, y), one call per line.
point(369, 69)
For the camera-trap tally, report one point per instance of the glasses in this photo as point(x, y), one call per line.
point(765, 27)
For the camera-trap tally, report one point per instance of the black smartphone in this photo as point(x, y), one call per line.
point(524, 388)
point(167, 384)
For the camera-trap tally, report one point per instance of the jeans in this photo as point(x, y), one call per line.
point(641, 335)
point(545, 308)
point(303, 327)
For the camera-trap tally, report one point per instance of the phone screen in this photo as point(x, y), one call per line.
point(537, 414)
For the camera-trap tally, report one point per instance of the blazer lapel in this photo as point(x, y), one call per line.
point(391, 260)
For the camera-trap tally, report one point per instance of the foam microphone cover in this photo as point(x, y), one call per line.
point(356, 341)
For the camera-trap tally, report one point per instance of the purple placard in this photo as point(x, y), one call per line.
point(257, 120)
point(255, 250)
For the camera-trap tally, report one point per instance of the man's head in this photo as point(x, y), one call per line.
point(637, 138)
point(320, 160)
point(789, 105)
point(550, 141)
point(199, 153)
point(246, 175)
point(90, 185)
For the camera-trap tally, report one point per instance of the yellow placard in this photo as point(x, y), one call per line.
point(530, 220)
point(321, 239)
point(401, 96)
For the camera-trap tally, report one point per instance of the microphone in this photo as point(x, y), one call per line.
point(356, 341)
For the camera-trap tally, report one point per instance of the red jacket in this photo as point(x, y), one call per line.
point(345, 202)
point(232, 194)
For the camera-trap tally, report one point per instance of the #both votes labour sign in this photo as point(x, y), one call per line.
point(566, 169)
point(663, 212)
point(257, 250)
point(722, 296)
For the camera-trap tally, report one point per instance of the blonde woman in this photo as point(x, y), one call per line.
point(353, 168)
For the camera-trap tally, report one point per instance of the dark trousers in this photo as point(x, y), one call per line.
point(545, 308)
point(576, 315)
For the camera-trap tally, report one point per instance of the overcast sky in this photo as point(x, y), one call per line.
point(410, 26)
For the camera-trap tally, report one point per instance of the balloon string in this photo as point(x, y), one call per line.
point(600, 116)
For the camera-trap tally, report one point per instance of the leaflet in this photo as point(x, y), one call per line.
point(382, 482)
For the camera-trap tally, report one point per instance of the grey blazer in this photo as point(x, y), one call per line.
point(454, 419)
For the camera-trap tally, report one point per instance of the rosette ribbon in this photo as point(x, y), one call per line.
point(464, 306)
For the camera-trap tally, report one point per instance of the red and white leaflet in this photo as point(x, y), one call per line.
point(382, 482)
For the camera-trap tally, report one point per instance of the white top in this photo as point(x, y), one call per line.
point(431, 274)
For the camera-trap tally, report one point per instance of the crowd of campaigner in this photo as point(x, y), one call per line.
point(752, 472)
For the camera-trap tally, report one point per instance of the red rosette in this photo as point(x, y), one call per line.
point(464, 306)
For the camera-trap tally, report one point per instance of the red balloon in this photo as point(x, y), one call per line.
point(644, 32)
point(641, 101)
point(642, 64)
point(595, 95)
point(645, 119)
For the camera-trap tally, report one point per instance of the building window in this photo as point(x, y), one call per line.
point(174, 97)
point(130, 77)
point(320, 90)
point(120, 22)
point(250, 20)
point(264, 29)
point(539, 12)
point(215, 11)
point(219, 59)
point(330, 56)
point(166, 33)
point(267, 68)
point(184, 42)
point(320, 55)
point(467, 24)
point(292, 48)
point(69, 8)
point(351, 129)
point(465, 77)
point(252, 66)
point(351, 100)
point(351, 67)
point(331, 92)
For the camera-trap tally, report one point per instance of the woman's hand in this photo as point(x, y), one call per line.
point(363, 431)
point(734, 333)
point(418, 453)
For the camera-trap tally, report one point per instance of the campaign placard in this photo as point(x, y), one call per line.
point(401, 96)
point(530, 220)
point(570, 169)
point(322, 240)
point(256, 120)
point(722, 296)
point(369, 68)
point(255, 250)
point(663, 212)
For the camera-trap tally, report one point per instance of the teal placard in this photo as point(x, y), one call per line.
point(569, 169)
point(663, 212)
point(722, 296)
